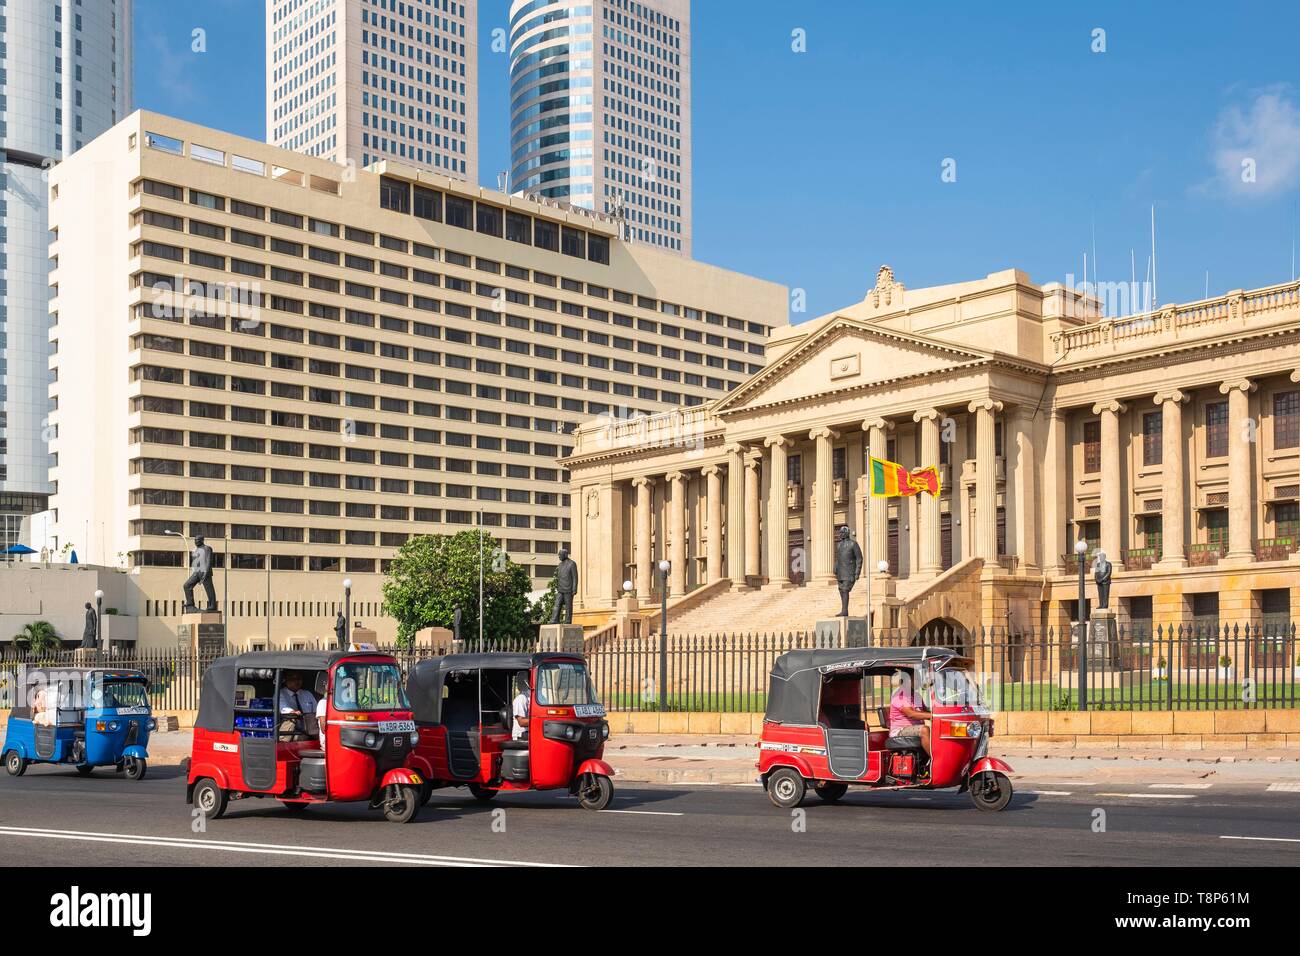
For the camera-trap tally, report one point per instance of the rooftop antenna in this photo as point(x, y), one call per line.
point(1155, 295)
point(1207, 283)
point(1093, 213)
point(1293, 240)
point(503, 181)
point(1134, 305)
point(1150, 307)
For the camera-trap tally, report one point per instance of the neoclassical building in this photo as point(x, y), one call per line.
point(1170, 440)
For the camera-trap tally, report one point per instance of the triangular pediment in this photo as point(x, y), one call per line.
point(847, 354)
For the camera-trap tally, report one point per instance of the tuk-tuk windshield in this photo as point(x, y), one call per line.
point(116, 695)
point(360, 686)
point(953, 688)
point(564, 684)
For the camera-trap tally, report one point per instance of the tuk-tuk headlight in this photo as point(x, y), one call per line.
point(415, 740)
point(113, 725)
point(153, 724)
point(975, 728)
point(604, 730)
point(372, 740)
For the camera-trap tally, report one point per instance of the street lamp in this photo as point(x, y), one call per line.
point(347, 613)
point(664, 567)
point(99, 622)
point(1081, 551)
point(627, 588)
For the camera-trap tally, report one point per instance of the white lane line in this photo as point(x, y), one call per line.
point(647, 813)
point(1263, 839)
point(270, 849)
point(1151, 796)
point(1284, 787)
point(1181, 786)
point(1049, 793)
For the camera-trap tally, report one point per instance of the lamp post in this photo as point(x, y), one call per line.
point(1081, 552)
point(347, 612)
point(664, 567)
point(99, 623)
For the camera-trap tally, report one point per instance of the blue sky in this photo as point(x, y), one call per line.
point(814, 168)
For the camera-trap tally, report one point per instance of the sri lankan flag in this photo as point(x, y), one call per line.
point(891, 480)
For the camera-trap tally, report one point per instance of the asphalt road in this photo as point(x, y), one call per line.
point(53, 816)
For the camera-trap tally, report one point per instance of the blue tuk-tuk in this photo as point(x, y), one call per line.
point(87, 717)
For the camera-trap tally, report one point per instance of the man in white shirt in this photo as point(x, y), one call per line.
point(295, 702)
point(519, 707)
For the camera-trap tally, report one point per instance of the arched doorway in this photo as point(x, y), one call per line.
point(943, 632)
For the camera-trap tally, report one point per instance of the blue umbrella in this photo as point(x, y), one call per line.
point(73, 559)
point(19, 549)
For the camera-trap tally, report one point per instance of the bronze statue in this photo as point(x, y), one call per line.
point(90, 636)
point(566, 586)
point(848, 567)
point(1101, 571)
point(341, 631)
point(200, 573)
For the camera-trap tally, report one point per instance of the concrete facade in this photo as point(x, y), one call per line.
point(1171, 440)
point(315, 366)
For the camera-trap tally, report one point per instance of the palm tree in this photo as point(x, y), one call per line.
point(39, 637)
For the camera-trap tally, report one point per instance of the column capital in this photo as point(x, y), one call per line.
point(1237, 384)
point(1114, 406)
point(824, 432)
point(642, 481)
point(776, 441)
point(1295, 376)
point(736, 448)
point(753, 458)
point(675, 476)
point(882, 424)
point(1175, 395)
point(1024, 412)
point(985, 405)
point(927, 414)
point(708, 471)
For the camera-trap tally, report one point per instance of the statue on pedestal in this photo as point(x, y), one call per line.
point(848, 567)
point(90, 636)
point(1101, 571)
point(200, 573)
point(341, 631)
point(566, 586)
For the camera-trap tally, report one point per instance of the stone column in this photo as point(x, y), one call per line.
point(736, 515)
point(645, 493)
point(778, 534)
point(1026, 486)
point(930, 533)
point(823, 518)
point(877, 430)
point(753, 510)
point(1056, 492)
point(1173, 552)
point(986, 480)
point(677, 535)
point(1113, 465)
point(1241, 449)
point(713, 496)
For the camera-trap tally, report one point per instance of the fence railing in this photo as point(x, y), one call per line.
point(1198, 666)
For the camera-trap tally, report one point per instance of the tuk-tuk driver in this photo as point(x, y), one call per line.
point(907, 714)
point(519, 707)
point(295, 702)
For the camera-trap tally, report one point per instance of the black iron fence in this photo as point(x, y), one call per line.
point(1199, 666)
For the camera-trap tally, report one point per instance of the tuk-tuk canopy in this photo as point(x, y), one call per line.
point(794, 686)
point(217, 699)
point(424, 686)
point(75, 680)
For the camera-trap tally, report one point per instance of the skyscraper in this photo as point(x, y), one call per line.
point(365, 80)
point(600, 110)
point(65, 77)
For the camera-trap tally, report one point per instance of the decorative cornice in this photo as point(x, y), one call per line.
point(1175, 395)
point(985, 404)
point(1242, 384)
point(1111, 405)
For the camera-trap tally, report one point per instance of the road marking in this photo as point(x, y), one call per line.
point(1263, 839)
point(269, 849)
point(1049, 793)
point(1181, 786)
point(1151, 796)
point(1284, 787)
point(647, 813)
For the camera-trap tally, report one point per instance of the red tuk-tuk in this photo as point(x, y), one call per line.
point(463, 711)
point(814, 732)
point(246, 744)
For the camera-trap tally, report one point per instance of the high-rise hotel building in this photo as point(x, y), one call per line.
point(369, 80)
point(600, 110)
point(65, 77)
point(260, 347)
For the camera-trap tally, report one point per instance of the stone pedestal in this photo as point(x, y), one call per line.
point(842, 632)
point(204, 632)
point(1103, 640)
point(627, 612)
point(364, 635)
point(438, 638)
point(564, 638)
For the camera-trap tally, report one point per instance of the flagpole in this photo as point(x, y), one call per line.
point(866, 518)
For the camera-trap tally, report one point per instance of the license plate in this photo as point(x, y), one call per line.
point(131, 711)
point(589, 710)
point(397, 726)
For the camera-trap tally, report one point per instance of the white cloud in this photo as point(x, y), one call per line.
point(1256, 145)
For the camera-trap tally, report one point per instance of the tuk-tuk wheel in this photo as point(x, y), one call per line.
point(991, 790)
point(15, 764)
point(595, 792)
point(210, 799)
point(135, 767)
point(85, 769)
point(294, 806)
point(481, 793)
point(830, 792)
point(786, 787)
point(401, 803)
point(426, 792)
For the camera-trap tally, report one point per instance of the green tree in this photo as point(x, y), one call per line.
point(546, 603)
point(432, 575)
point(39, 637)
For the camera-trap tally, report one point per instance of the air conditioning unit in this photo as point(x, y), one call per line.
point(793, 496)
point(840, 489)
